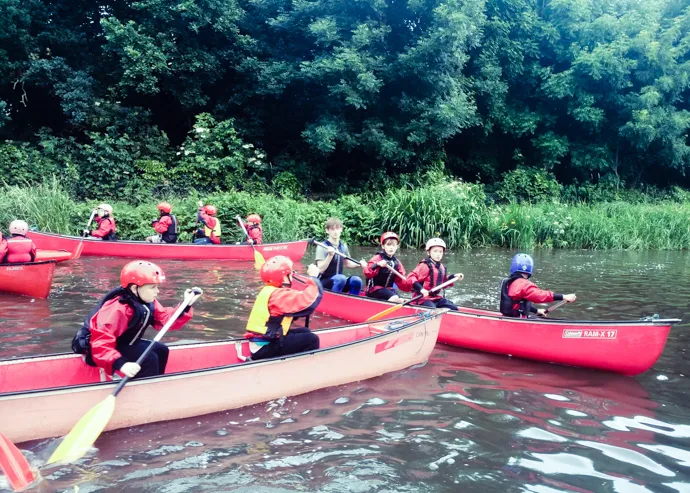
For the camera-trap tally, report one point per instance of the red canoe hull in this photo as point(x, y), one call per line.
point(29, 279)
point(178, 251)
point(626, 347)
point(57, 255)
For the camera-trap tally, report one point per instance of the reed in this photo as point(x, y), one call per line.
point(456, 211)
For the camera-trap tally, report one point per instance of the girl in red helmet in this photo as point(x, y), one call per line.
point(379, 271)
point(165, 225)
point(111, 337)
point(254, 231)
point(209, 232)
point(17, 248)
point(268, 327)
point(429, 273)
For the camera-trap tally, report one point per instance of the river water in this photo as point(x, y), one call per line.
point(465, 421)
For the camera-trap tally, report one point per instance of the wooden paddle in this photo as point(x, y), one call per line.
point(91, 425)
point(93, 214)
point(259, 259)
point(394, 308)
point(14, 465)
point(555, 306)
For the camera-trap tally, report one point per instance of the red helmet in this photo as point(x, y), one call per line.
point(165, 207)
point(275, 269)
point(389, 235)
point(254, 218)
point(140, 272)
point(210, 210)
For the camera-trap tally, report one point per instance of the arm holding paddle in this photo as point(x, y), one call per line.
point(330, 253)
point(259, 259)
point(567, 298)
point(394, 308)
point(92, 424)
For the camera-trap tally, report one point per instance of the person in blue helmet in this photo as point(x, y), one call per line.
point(518, 292)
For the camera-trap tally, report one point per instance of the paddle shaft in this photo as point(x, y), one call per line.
point(185, 303)
point(241, 223)
point(324, 246)
point(555, 306)
point(433, 290)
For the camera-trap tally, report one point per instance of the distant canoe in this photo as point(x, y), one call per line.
point(29, 279)
point(175, 251)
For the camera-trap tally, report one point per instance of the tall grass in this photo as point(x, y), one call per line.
point(456, 211)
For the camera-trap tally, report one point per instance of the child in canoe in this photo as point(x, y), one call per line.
point(518, 292)
point(331, 265)
point(254, 231)
point(381, 271)
point(166, 225)
point(268, 327)
point(429, 273)
point(106, 224)
point(17, 248)
point(209, 231)
point(111, 337)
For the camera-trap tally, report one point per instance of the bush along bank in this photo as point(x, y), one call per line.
point(456, 211)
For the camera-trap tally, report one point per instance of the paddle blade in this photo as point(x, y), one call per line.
point(77, 252)
point(259, 260)
point(14, 465)
point(384, 313)
point(85, 432)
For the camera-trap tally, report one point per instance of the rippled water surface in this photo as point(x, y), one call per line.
point(465, 421)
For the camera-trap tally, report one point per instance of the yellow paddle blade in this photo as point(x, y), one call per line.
point(384, 313)
point(259, 260)
point(85, 432)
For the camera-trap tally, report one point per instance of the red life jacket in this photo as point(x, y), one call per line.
point(437, 275)
point(19, 249)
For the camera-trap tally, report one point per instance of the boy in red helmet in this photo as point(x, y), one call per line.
point(254, 232)
point(429, 273)
point(165, 225)
point(209, 233)
point(379, 271)
point(111, 337)
point(18, 248)
point(268, 327)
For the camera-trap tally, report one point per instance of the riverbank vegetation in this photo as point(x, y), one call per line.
point(461, 213)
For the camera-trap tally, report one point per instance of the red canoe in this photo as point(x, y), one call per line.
point(627, 347)
point(177, 251)
point(57, 255)
point(30, 279)
point(44, 396)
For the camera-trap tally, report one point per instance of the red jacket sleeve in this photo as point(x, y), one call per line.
point(3, 249)
point(419, 274)
point(33, 251)
point(523, 289)
point(106, 326)
point(104, 227)
point(296, 303)
point(162, 225)
point(162, 314)
point(372, 269)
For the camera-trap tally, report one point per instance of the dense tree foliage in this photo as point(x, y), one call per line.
point(124, 96)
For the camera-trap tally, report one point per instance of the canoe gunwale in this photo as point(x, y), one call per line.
point(29, 264)
point(491, 316)
point(417, 319)
point(166, 245)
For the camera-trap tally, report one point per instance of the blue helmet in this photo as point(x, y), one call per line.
point(522, 263)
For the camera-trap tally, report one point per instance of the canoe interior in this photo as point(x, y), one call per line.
point(68, 370)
